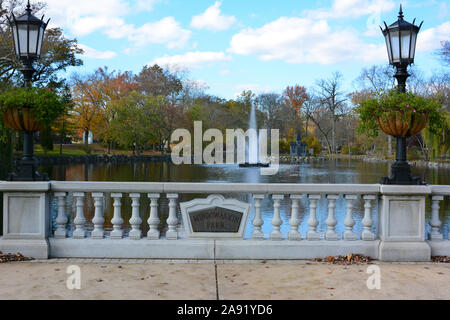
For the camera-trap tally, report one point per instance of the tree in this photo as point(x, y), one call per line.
point(444, 52)
point(65, 125)
point(322, 118)
point(157, 81)
point(295, 97)
point(272, 105)
point(333, 100)
point(136, 118)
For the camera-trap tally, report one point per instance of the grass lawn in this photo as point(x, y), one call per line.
point(67, 151)
point(78, 150)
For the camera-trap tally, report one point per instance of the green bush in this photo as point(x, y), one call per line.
point(313, 143)
point(354, 150)
point(285, 147)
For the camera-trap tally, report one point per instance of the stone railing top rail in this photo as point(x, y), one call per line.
point(185, 187)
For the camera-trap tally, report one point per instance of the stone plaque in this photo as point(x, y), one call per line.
point(216, 220)
point(214, 217)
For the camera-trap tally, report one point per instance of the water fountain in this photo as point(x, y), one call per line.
point(252, 147)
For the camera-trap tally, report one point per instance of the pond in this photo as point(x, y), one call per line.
point(330, 171)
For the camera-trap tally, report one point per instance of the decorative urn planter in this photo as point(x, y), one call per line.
point(403, 125)
point(20, 120)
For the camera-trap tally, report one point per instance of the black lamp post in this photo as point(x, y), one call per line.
point(401, 39)
point(28, 35)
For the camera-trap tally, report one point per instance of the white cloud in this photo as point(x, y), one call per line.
point(212, 19)
point(83, 17)
point(167, 30)
point(302, 40)
point(96, 54)
point(191, 60)
point(430, 39)
point(352, 9)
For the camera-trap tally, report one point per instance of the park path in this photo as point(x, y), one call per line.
point(150, 280)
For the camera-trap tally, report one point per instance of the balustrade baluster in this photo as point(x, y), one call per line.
point(331, 222)
point(98, 220)
point(117, 220)
point(258, 222)
point(276, 221)
point(135, 221)
point(367, 234)
point(153, 220)
point(61, 219)
point(172, 220)
point(349, 222)
point(80, 220)
point(294, 222)
point(435, 222)
point(313, 222)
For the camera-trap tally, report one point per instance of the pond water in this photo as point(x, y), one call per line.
point(331, 171)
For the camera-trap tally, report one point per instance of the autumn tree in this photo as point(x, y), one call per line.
point(295, 97)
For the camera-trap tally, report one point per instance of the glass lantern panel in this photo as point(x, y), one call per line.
point(16, 41)
point(388, 46)
point(34, 30)
point(23, 39)
point(395, 46)
point(413, 45)
point(41, 40)
point(406, 40)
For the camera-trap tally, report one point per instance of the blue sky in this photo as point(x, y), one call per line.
point(232, 45)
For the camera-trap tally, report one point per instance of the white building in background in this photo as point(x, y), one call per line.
point(90, 138)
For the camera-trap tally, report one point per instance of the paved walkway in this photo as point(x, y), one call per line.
point(141, 279)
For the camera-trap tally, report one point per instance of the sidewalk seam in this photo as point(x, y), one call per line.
point(215, 273)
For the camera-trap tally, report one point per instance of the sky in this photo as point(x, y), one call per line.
point(233, 45)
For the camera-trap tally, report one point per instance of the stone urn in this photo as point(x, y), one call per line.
point(20, 120)
point(403, 124)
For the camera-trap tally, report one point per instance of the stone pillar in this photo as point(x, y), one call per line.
point(402, 224)
point(26, 218)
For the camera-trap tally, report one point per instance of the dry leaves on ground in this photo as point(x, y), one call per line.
point(12, 257)
point(440, 259)
point(345, 260)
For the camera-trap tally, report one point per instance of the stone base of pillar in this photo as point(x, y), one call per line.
point(404, 251)
point(402, 224)
point(26, 220)
point(37, 249)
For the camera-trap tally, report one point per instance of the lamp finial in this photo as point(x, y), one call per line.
point(400, 14)
point(28, 7)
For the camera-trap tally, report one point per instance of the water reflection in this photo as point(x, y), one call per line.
point(335, 171)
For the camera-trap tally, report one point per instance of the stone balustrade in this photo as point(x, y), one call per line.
point(395, 233)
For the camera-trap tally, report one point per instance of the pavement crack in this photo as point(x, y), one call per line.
point(215, 273)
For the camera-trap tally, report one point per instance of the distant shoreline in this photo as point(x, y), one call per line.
point(286, 159)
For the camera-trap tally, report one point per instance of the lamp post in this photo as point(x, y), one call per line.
point(28, 36)
point(401, 39)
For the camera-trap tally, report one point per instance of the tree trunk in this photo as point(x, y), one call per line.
point(333, 135)
point(307, 126)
